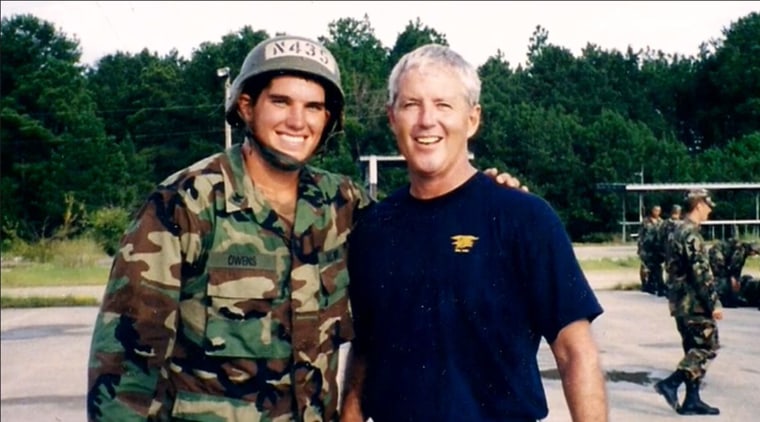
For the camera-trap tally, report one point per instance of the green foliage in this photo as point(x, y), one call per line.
point(363, 64)
point(107, 226)
point(54, 146)
point(414, 35)
point(92, 141)
point(730, 84)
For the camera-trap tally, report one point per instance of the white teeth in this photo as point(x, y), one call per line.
point(292, 139)
point(428, 140)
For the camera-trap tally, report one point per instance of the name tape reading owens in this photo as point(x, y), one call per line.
point(301, 48)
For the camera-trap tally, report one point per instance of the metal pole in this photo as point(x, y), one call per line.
point(224, 72)
point(373, 176)
point(227, 128)
point(641, 198)
point(623, 219)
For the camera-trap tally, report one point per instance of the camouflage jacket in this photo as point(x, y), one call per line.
point(727, 258)
point(666, 228)
point(692, 286)
point(213, 311)
point(649, 247)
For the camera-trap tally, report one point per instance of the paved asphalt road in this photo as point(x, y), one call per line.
point(44, 355)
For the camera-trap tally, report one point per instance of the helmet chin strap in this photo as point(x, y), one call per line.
point(275, 158)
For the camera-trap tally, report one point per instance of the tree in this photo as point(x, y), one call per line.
point(54, 146)
point(363, 66)
point(414, 35)
point(729, 90)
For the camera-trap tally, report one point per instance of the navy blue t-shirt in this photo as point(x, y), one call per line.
point(451, 297)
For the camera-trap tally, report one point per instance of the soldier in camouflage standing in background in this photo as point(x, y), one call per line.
point(651, 254)
point(666, 228)
point(694, 303)
point(670, 224)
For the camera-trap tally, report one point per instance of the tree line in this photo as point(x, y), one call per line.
point(83, 145)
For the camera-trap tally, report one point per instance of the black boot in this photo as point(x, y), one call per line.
point(692, 404)
point(668, 388)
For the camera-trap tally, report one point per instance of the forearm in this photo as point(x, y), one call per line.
point(584, 389)
point(583, 382)
point(351, 410)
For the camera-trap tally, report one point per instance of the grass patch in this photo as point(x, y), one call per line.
point(752, 265)
point(608, 264)
point(45, 302)
point(51, 275)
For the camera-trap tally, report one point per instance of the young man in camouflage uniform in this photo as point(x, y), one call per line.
point(695, 306)
point(227, 299)
point(727, 258)
point(667, 226)
point(651, 254)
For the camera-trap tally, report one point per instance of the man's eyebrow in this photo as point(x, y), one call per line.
point(287, 98)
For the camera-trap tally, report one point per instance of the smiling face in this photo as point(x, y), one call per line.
point(433, 121)
point(288, 116)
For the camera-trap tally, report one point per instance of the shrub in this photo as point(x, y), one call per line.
point(107, 226)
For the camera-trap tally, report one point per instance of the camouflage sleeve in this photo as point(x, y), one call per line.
point(736, 262)
point(640, 239)
point(717, 262)
point(704, 283)
point(137, 322)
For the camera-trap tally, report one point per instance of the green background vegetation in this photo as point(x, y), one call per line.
point(83, 145)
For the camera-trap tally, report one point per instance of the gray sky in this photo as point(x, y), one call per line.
point(475, 29)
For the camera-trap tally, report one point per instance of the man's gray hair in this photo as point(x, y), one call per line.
point(439, 56)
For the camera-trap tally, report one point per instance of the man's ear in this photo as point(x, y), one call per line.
point(473, 121)
point(245, 107)
point(391, 117)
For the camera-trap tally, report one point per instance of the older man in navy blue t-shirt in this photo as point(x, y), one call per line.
point(455, 280)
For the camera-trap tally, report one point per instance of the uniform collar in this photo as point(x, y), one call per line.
point(241, 195)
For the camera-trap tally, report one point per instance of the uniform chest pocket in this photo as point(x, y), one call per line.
point(333, 275)
point(246, 305)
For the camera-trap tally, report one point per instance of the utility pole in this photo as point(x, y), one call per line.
point(224, 72)
point(641, 198)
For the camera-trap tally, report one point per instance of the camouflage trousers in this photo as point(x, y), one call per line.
point(728, 297)
point(747, 294)
point(699, 338)
point(749, 290)
point(650, 273)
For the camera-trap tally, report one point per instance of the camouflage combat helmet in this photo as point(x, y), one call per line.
point(290, 54)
